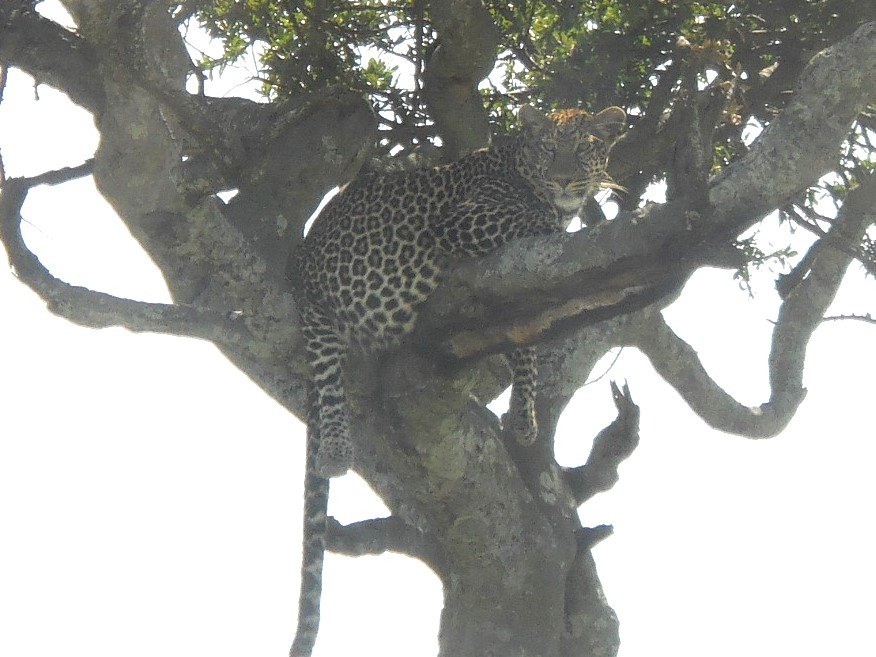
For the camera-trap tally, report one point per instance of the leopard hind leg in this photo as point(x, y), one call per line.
point(520, 420)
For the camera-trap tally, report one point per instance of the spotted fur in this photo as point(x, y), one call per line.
point(376, 251)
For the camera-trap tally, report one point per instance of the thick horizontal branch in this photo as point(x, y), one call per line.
point(376, 536)
point(801, 313)
point(97, 309)
point(537, 287)
point(610, 447)
point(549, 285)
point(52, 55)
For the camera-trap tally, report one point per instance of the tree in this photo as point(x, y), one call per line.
point(495, 522)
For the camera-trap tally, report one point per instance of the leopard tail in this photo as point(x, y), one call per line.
point(316, 489)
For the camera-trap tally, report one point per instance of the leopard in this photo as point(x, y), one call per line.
point(377, 251)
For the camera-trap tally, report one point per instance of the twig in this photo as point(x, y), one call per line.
point(607, 370)
point(868, 318)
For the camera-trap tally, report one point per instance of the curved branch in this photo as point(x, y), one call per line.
point(805, 305)
point(96, 309)
point(678, 363)
point(801, 313)
point(52, 55)
point(806, 218)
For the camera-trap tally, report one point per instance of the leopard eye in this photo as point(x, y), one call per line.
point(578, 186)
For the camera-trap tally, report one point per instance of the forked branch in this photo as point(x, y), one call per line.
point(610, 447)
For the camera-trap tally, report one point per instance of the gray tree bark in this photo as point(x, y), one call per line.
point(495, 521)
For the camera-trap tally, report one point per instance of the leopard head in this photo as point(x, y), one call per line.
point(564, 155)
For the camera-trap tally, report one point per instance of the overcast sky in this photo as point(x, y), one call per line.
point(150, 493)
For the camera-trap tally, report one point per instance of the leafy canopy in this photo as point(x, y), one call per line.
point(645, 56)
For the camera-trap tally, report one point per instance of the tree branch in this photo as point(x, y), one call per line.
point(610, 447)
point(801, 144)
point(551, 285)
point(800, 314)
point(467, 44)
point(807, 218)
point(538, 287)
point(379, 535)
point(691, 158)
point(866, 318)
point(96, 309)
point(647, 150)
point(678, 363)
point(220, 283)
point(51, 54)
point(590, 537)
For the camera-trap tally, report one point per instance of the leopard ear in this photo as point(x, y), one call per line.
point(531, 119)
point(608, 123)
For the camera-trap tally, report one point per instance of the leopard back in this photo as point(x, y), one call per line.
point(374, 253)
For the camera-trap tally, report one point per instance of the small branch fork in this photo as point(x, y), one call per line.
point(808, 219)
point(97, 309)
point(610, 448)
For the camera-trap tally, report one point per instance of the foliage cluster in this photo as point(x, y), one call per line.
point(648, 57)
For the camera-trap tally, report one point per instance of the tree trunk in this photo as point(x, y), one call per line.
point(495, 520)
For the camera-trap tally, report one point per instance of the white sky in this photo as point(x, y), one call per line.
point(150, 494)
